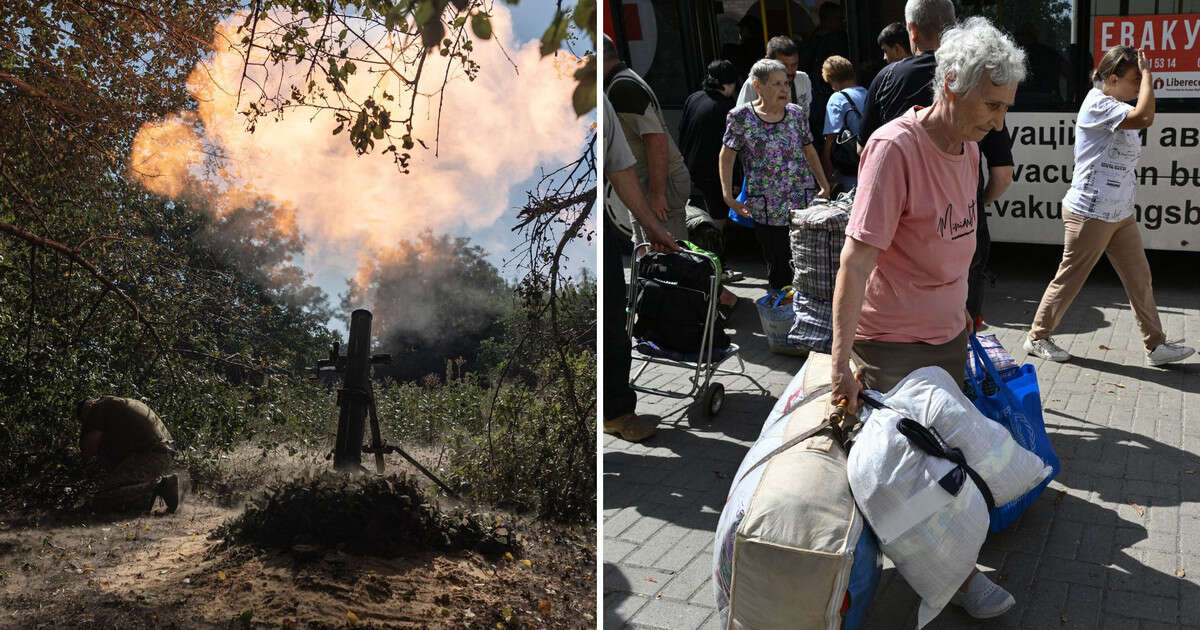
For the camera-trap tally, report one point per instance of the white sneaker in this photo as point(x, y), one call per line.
point(1169, 352)
point(983, 598)
point(1046, 349)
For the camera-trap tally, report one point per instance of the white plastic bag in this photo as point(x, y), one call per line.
point(934, 537)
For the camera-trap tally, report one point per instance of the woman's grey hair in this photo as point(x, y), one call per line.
point(763, 68)
point(971, 48)
point(931, 17)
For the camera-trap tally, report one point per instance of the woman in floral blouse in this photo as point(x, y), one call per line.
point(783, 171)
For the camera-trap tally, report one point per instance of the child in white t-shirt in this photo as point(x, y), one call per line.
point(1098, 208)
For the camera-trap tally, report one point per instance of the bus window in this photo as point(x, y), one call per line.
point(741, 28)
point(1144, 7)
point(654, 38)
point(1043, 29)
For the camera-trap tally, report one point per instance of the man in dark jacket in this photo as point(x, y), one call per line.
point(134, 452)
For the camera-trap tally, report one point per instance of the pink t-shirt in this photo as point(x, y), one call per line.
point(916, 203)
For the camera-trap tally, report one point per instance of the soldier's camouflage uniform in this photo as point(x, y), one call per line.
point(135, 452)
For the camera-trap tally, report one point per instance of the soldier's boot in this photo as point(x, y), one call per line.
point(168, 487)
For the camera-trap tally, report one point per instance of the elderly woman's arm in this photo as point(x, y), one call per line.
point(857, 262)
point(725, 166)
point(814, 162)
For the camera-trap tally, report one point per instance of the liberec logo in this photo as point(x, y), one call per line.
point(1158, 83)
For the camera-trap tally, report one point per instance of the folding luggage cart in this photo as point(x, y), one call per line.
point(708, 396)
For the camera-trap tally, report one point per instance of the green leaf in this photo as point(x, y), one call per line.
point(584, 97)
point(553, 38)
point(481, 25)
point(424, 12)
point(585, 17)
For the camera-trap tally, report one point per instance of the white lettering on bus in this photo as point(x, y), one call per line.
point(1148, 35)
point(1191, 33)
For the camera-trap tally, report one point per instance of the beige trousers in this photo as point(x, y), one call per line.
point(1086, 239)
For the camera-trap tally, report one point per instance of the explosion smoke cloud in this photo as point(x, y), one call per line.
point(494, 132)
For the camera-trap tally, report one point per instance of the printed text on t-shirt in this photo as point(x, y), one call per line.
point(958, 229)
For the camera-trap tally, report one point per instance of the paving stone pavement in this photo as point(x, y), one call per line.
point(1114, 542)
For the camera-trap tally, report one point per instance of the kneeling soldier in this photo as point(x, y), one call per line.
point(133, 448)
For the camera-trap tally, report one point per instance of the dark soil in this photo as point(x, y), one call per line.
point(59, 569)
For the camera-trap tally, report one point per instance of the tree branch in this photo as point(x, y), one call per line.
point(86, 264)
point(39, 93)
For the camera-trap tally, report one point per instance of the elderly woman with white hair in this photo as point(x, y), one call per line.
point(783, 170)
point(898, 303)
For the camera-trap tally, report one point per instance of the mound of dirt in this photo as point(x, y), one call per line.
point(381, 516)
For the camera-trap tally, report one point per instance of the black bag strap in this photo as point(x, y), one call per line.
point(930, 442)
point(852, 106)
point(832, 424)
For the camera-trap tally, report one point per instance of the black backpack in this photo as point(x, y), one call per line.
point(672, 302)
point(844, 153)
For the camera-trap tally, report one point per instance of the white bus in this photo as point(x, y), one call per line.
point(670, 42)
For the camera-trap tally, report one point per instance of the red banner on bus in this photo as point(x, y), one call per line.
point(1171, 43)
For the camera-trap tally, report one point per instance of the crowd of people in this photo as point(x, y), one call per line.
point(909, 290)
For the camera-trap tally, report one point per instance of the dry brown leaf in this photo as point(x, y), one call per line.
point(352, 617)
point(1140, 510)
point(1189, 472)
point(1104, 347)
point(1058, 499)
point(650, 579)
point(1064, 618)
point(1180, 573)
point(526, 562)
point(544, 606)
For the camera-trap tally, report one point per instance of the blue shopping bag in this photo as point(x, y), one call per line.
point(738, 219)
point(1016, 403)
point(776, 318)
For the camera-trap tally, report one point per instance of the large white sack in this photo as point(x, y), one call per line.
point(934, 537)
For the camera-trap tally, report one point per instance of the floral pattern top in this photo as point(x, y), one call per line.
point(778, 177)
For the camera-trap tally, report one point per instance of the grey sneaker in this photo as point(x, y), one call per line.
point(983, 598)
point(1169, 352)
point(1046, 349)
